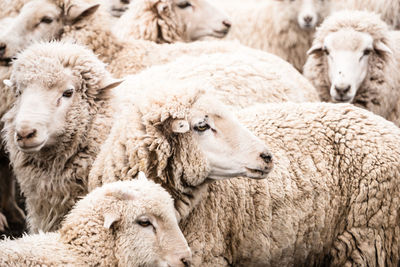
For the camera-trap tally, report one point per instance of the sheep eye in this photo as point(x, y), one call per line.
point(201, 128)
point(184, 5)
point(367, 52)
point(68, 93)
point(46, 20)
point(144, 223)
point(326, 51)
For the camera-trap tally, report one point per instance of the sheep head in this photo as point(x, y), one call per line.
point(59, 86)
point(307, 13)
point(351, 45)
point(136, 219)
point(41, 20)
point(185, 137)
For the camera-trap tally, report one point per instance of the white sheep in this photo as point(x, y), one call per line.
point(355, 59)
point(333, 196)
point(169, 21)
point(53, 132)
point(129, 223)
point(285, 28)
point(388, 9)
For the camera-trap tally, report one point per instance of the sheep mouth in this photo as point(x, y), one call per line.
point(31, 148)
point(257, 173)
point(220, 33)
point(342, 99)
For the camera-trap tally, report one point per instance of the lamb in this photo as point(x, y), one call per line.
point(75, 20)
point(388, 9)
point(355, 59)
point(284, 27)
point(52, 145)
point(332, 197)
point(129, 223)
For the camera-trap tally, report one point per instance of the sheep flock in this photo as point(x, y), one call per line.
point(176, 133)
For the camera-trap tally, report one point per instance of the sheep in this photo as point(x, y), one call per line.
point(355, 59)
point(284, 27)
point(75, 20)
point(182, 119)
point(169, 21)
point(331, 198)
point(388, 9)
point(52, 145)
point(129, 223)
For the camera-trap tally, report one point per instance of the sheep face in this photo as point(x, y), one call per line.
point(42, 110)
point(229, 148)
point(348, 53)
point(145, 225)
point(201, 19)
point(307, 13)
point(39, 20)
point(154, 237)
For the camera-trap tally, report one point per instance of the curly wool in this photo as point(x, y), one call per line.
point(55, 177)
point(379, 92)
point(388, 9)
point(239, 79)
point(143, 21)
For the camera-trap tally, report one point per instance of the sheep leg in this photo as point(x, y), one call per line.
point(360, 247)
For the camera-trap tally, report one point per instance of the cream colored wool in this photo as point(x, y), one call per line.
point(56, 176)
point(239, 79)
point(272, 26)
point(83, 239)
point(388, 9)
point(379, 92)
point(332, 198)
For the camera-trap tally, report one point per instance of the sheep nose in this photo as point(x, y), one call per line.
point(266, 157)
point(342, 90)
point(186, 261)
point(308, 19)
point(2, 49)
point(26, 133)
point(227, 23)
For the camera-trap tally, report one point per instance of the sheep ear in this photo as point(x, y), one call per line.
point(180, 126)
point(80, 10)
point(112, 83)
point(314, 49)
point(109, 219)
point(142, 176)
point(381, 47)
point(162, 7)
point(8, 83)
